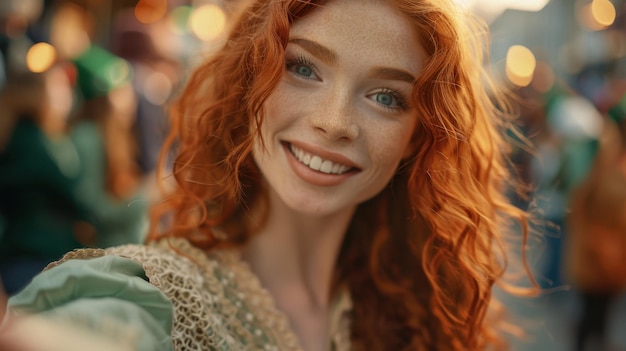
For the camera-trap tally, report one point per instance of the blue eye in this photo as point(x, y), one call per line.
point(385, 99)
point(302, 68)
point(390, 99)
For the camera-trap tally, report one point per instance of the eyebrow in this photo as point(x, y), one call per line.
point(330, 57)
point(321, 52)
point(393, 74)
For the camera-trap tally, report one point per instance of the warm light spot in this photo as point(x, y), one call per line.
point(40, 57)
point(520, 65)
point(68, 32)
point(491, 9)
point(520, 81)
point(585, 17)
point(150, 11)
point(208, 22)
point(524, 5)
point(597, 15)
point(157, 88)
point(603, 12)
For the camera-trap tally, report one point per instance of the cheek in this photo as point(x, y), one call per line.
point(391, 144)
point(387, 156)
point(276, 110)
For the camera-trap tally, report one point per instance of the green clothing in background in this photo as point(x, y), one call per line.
point(38, 203)
point(119, 221)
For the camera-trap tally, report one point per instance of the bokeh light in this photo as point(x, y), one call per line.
point(520, 65)
point(603, 12)
point(68, 32)
point(208, 22)
point(40, 57)
point(150, 11)
point(157, 88)
point(597, 15)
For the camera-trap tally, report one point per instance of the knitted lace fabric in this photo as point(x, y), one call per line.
point(219, 304)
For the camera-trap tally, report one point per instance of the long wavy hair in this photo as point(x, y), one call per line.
point(421, 257)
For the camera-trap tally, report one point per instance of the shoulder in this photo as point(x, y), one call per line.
point(88, 273)
point(102, 294)
point(172, 280)
point(217, 302)
point(201, 286)
point(173, 266)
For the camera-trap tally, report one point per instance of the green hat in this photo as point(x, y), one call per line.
point(99, 72)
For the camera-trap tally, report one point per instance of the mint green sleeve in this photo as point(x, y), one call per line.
point(109, 295)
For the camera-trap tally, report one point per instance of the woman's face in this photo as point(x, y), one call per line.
point(340, 120)
point(59, 100)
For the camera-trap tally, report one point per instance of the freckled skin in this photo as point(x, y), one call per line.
point(376, 23)
point(337, 112)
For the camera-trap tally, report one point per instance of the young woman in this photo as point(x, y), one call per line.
point(339, 185)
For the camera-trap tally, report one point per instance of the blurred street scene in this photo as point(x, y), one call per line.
point(85, 86)
point(567, 61)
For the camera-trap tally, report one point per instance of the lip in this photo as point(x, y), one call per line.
point(314, 177)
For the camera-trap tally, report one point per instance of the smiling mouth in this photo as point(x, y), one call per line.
point(317, 163)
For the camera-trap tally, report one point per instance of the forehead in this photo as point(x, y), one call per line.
point(363, 29)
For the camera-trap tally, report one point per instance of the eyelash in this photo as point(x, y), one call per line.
point(301, 60)
point(402, 100)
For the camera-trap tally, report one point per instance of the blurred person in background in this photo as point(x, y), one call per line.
point(596, 245)
point(573, 128)
point(150, 50)
point(112, 185)
point(15, 18)
point(39, 169)
point(563, 127)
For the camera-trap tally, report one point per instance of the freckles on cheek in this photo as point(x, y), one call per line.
point(390, 144)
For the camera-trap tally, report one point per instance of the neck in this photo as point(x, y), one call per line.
point(294, 254)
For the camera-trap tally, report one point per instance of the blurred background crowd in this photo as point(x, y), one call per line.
point(85, 85)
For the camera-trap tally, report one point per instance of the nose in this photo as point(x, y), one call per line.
point(336, 120)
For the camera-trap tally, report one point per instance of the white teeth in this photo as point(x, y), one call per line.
point(326, 167)
point(317, 163)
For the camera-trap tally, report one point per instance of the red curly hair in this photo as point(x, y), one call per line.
point(421, 257)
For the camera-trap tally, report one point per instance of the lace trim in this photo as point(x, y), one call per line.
point(79, 254)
